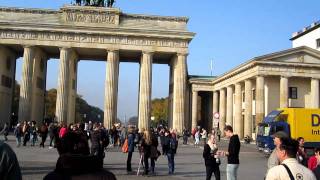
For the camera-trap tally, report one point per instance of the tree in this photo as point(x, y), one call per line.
point(159, 110)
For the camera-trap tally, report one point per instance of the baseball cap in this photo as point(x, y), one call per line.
point(280, 134)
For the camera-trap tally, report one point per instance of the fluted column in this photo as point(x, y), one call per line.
point(222, 109)
point(63, 86)
point(215, 102)
point(111, 88)
point(314, 93)
point(179, 90)
point(284, 92)
point(194, 108)
point(145, 90)
point(26, 85)
point(238, 124)
point(248, 108)
point(259, 99)
point(229, 118)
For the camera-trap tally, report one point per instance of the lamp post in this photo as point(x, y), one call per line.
point(84, 117)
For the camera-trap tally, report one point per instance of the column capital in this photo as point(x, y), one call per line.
point(285, 76)
point(314, 78)
point(182, 53)
point(66, 48)
point(113, 50)
point(150, 52)
point(261, 75)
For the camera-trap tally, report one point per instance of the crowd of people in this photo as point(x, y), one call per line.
point(289, 160)
point(83, 144)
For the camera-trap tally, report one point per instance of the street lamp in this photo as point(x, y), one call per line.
point(84, 117)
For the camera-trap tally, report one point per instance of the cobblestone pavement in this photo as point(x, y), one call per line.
point(36, 162)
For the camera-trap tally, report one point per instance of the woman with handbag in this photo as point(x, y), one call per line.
point(149, 146)
point(211, 158)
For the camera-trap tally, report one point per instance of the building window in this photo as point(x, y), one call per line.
point(293, 92)
point(8, 63)
point(243, 97)
point(253, 94)
point(318, 43)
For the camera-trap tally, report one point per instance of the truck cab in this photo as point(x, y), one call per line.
point(296, 122)
point(273, 122)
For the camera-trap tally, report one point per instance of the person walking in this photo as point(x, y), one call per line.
point(218, 134)
point(5, 131)
point(26, 132)
point(204, 135)
point(131, 144)
point(277, 139)
point(232, 153)
point(197, 138)
point(290, 168)
point(18, 133)
point(96, 143)
point(211, 159)
point(34, 133)
point(147, 143)
point(43, 134)
point(316, 170)
point(170, 149)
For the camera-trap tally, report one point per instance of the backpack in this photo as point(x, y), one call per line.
point(173, 144)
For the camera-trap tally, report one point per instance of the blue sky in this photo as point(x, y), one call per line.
point(228, 32)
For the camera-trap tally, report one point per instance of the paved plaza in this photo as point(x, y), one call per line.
point(36, 163)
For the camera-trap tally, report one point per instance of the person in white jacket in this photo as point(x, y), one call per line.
point(290, 168)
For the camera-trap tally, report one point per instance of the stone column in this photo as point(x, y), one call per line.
point(215, 100)
point(238, 124)
point(7, 72)
point(111, 88)
point(194, 109)
point(222, 109)
point(215, 106)
point(229, 120)
point(26, 85)
point(259, 99)
point(63, 86)
point(72, 94)
point(145, 90)
point(38, 86)
point(170, 100)
point(284, 92)
point(179, 90)
point(248, 108)
point(314, 93)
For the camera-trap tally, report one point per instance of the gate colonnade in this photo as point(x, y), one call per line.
point(76, 33)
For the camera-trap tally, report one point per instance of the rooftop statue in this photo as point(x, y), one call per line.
point(96, 3)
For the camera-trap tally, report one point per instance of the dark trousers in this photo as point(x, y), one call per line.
point(43, 139)
point(129, 161)
point(51, 140)
point(170, 162)
point(213, 169)
point(146, 164)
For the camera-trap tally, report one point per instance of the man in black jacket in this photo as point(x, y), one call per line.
point(233, 153)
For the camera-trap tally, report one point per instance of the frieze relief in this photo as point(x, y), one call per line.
point(85, 38)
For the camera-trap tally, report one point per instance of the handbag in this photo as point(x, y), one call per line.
point(125, 147)
point(154, 152)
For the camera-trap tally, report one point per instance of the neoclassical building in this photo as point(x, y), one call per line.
point(244, 95)
point(75, 33)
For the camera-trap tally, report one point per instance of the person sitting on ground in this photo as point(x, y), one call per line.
point(75, 161)
point(289, 168)
point(9, 165)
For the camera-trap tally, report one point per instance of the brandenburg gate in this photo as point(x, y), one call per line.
point(75, 33)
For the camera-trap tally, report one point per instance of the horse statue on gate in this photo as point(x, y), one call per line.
point(96, 3)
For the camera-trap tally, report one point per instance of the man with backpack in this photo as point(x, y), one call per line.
point(170, 145)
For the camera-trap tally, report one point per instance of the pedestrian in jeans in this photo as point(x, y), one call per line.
point(131, 137)
point(18, 133)
point(233, 153)
point(170, 149)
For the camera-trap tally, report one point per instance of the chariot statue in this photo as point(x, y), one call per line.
point(95, 3)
